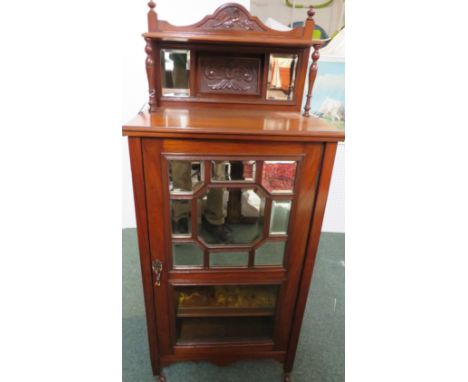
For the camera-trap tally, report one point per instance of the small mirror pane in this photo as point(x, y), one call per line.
point(279, 176)
point(270, 253)
point(175, 72)
point(180, 217)
point(281, 77)
point(185, 176)
point(280, 217)
point(229, 259)
point(186, 255)
point(231, 216)
point(236, 171)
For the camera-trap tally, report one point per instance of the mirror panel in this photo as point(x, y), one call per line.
point(270, 253)
point(235, 171)
point(175, 72)
point(281, 77)
point(180, 217)
point(229, 259)
point(185, 176)
point(231, 215)
point(280, 217)
point(279, 176)
point(186, 255)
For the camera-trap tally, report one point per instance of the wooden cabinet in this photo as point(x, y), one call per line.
point(229, 200)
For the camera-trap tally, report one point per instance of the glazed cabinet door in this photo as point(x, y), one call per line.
point(228, 225)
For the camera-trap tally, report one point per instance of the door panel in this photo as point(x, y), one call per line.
point(219, 209)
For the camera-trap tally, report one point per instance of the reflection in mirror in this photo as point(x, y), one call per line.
point(180, 217)
point(281, 77)
point(270, 253)
point(233, 171)
point(231, 216)
point(280, 217)
point(278, 176)
point(229, 259)
point(175, 72)
point(185, 176)
point(186, 255)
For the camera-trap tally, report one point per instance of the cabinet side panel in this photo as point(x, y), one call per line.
point(139, 195)
point(314, 238)
point(307, 181)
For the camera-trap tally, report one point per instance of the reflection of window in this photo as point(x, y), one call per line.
point(281, 77)
point(175, 72)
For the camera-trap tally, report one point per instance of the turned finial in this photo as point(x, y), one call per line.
point(311, 13)
point(152, 17)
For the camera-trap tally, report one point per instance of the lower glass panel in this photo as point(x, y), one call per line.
point(224, 329)
point(225, 300)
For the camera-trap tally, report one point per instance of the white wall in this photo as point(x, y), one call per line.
point(330, 18)
point(180, 12)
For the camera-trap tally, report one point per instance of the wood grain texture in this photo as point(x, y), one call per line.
point(309, 262)
point(150, 74)
point(227, 117)
point(138, 179)
point(231, 124)
point(231, 28)
point(230, 22)
point(312, 76)
point(158, 239)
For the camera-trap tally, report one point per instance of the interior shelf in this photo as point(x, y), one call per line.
point(224, 329)
point(208, 311)
point(226, 301)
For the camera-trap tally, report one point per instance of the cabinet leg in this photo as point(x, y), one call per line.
point(287, 377)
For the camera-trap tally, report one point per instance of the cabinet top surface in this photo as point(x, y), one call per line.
point(223, 123)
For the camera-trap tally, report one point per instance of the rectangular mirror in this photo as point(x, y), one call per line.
point(233, 171)
point(175, 72)
point(185, 176)
point(229, 259)
point(280, 217)
point(281, 77)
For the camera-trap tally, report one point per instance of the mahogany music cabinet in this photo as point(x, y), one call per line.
point(230, 184)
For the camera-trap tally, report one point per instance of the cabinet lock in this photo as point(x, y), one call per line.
point(157, 270)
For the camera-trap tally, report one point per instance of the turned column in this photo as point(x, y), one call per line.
point(312, 70)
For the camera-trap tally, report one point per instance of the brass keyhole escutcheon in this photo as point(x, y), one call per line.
point(157, 270)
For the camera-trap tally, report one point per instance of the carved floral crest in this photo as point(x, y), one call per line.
point(232, 18)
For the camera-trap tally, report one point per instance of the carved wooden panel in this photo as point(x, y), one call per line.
point(233, 17)
point(229, 75)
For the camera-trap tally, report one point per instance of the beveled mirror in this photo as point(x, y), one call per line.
point(281, 77)
point(175, 72)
